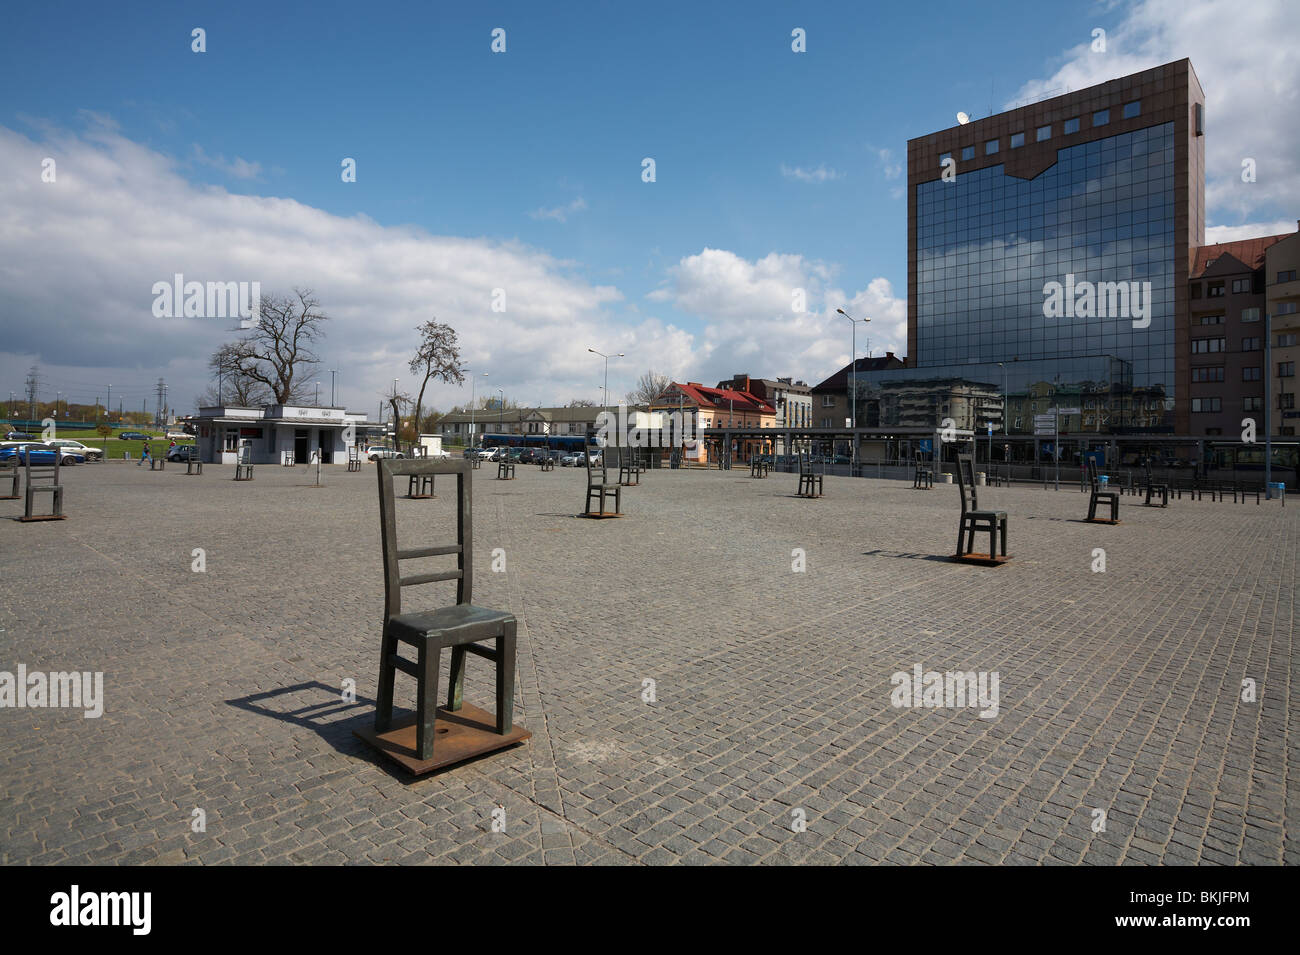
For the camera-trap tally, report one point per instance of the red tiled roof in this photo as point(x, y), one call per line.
point(724, 398)
point(1250, 252)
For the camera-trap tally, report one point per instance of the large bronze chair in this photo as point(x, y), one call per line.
point(463, 628)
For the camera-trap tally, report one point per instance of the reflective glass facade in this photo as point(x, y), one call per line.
point(988, 244)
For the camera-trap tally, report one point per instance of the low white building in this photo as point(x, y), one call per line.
point(302, 429)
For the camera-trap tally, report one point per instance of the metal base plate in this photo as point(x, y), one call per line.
point(457, 736)
point(975, 557)
point(599, 515)
point(421, 497)
point(1099, 520)
point(43, 517)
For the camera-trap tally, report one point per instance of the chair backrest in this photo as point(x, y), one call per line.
point(43, 472)
point(354, 453)
point(966, 483)
point(588, 447)
point(805, 463)
point(390, 468)
point(1092, 473)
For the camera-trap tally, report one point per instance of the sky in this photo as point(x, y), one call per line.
point(523, 170)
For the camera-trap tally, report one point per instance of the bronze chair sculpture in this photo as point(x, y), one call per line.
point(426, 741)
point(973, 520)
point(1098, 496)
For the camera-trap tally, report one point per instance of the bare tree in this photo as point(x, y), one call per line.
point(437, 357)
point(580, 403)
point(648, 387)
point(276, 355)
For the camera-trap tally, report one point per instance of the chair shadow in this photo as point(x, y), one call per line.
point(338, 733)
point(904, 555)
point(316, 717)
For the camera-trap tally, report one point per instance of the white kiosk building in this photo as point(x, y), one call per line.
point(272, 429)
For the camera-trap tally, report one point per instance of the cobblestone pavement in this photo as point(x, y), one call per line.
point(1119, 691)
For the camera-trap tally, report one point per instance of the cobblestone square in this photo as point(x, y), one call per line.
point(771, 735)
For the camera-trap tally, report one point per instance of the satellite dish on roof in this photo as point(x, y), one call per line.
point(963, 118)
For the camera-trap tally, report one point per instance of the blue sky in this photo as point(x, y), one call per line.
point(759, 152)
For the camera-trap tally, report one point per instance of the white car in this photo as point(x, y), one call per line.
point(375, 453)
point(90, 454)
point(574, 459)
point(488, 454)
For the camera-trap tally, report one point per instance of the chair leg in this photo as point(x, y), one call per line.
point(1004, 538)
point(506, 678)
point(1092, 508)
point(387, 672)
point(426, 704)
point(961, 538)
point(993, 538)
point(456, 679)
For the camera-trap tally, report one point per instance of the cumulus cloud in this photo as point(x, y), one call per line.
point(1251, 230)
point(560, 213)
point(1244, 56)
point(79, 257)
point(820, 174)
point(751, 323)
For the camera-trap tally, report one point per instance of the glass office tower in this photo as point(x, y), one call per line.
point(1048, 261)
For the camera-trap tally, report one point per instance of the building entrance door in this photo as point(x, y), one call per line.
point(300, 438)
point(324, 443)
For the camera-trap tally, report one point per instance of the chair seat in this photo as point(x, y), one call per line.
point(987, 515)
point(462, 623)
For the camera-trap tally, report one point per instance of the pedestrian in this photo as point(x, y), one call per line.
point(145, 455)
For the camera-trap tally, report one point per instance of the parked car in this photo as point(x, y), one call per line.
point(135, 436)
point(40, 454)
point(21, 436)
point(90, 454)
point(183, 452)
point(515, 454)
point(377, 452)
point(488, 454)
point(574, 459)
point(179, 436)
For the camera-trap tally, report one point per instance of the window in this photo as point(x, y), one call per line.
point(1101, 117)
point(1250, 315)
point(1042, 133)
point(1286, 369)
point(1240, 285)
point(1072, 125)
point(826, 423)
point(1017, 140)
point(1252, 404)
point(1287, 276)
point(990, 147)
point(968, 152)
point(1286, 401)
point(1251, 344)
point(828, 401)
point(1251, 374)
point(1284, 308)
point(1286, 341)
point(1214, 373)
point(1211, 319)
point(1133, 109)
point(1204, 346)
point(1207, 405)
point(1214, 290)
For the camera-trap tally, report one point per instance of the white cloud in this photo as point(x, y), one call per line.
point(560, 213)
point(78, 258)
point(1244, 55)
point(1251, 230)
point(237, 167)
point(750, 325)
point(892, 168)
point(820, 174)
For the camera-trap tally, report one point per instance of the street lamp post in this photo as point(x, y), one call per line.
point(606, 385)
point(501, 404)
point(853, 389)
point(333, 372)
point(473, 380)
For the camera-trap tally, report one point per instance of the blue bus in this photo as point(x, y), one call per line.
point(555, 442)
